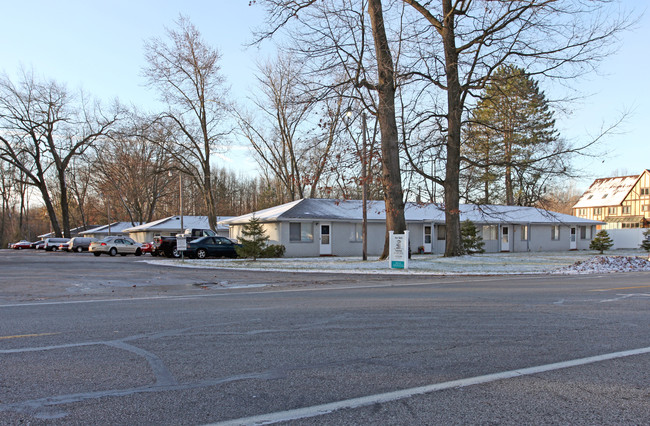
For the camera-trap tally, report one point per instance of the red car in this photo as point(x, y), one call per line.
point(23, 244)
point(147, 248)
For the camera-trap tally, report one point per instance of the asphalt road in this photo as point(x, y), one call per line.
point(87, 340)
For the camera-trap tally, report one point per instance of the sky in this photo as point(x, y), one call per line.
point(98, 46)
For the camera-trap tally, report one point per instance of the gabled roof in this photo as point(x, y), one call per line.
point(351, 210)
point(173, 223)
point(116, 227)
point(74, 231)
point(607, 191)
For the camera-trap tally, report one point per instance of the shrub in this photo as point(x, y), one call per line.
point(253, 239)
point(645, 244)
point(273, 250)
point(471, 240)
point(601, 242)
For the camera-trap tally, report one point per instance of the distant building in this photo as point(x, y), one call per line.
point(113, 229)
point(170, 226)
point(620, 202)
point(74, 232)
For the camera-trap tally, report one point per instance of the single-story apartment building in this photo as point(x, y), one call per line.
point(171, 226)
point(325, 227)
point(114, 228)
point(74, 232)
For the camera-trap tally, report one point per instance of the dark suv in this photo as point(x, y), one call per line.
point(79, 244)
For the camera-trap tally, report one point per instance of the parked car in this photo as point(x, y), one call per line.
point(166, 245)
point(38, 244)
point(115, 245)
point(79, 244)
point(211, 246)
point(52, 244)
point(147, 248)
point(22, 244)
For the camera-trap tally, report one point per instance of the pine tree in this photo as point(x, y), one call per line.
point(645, 244)
point(511, 141)
point(601, 242)
point(472, 241)
point(253, 239)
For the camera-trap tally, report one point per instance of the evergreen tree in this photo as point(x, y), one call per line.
point(601, 242)
point(645, 244)
point(472, 241)
point(511, 141)
point(253, 239)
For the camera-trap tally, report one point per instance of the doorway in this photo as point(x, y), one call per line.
point(505, 238)
point(325, 239)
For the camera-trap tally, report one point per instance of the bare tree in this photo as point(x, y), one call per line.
point(459, 45)
point(186, 73)
point(43, 129)
point(131, 168)
point(296, 132)
point(337, 37)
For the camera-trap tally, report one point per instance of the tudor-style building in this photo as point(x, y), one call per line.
point(620, 202)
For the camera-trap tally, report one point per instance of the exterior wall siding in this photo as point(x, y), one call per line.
point(343, 243)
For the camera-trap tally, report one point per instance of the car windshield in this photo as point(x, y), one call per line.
point(107, 239)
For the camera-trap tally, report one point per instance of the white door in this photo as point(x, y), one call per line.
point(325, 239)
point(427, 238)
point(505, 238)
point(573, 244)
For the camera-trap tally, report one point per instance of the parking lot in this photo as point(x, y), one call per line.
point(88, 340)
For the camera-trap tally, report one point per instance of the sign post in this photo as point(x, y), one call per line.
point(181, 244)
point(398, 250)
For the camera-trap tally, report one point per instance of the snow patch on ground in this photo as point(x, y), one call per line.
point(607, 264)
point(580, 262)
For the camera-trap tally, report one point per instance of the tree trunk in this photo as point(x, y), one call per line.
point(391, 178)
point(56, 228)
point(455, 108)
point(510, 198)
point(65, 209)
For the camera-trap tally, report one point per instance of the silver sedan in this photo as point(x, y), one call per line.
point(115, 245)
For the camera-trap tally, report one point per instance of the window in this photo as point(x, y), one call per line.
point(630, 225)
point(357, 232)
point(300, 232)
point(645, 208)
point(555, 232)
point(524, 233)
point(597, 211)
point(585, 232)
point(612, 210)
point(625, 210)
point(645, 191)
point(442, 232)
point(490, 232)
point(427, 234)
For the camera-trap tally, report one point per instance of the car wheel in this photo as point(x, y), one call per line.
point(201, 253)
point(113, 251)
point(176, 253)
point(20, 248)
point(97, 253)
point(138, 252)
point(78, 249)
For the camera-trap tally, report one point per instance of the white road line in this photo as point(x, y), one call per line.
point(223, 293)
point(318, 410)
